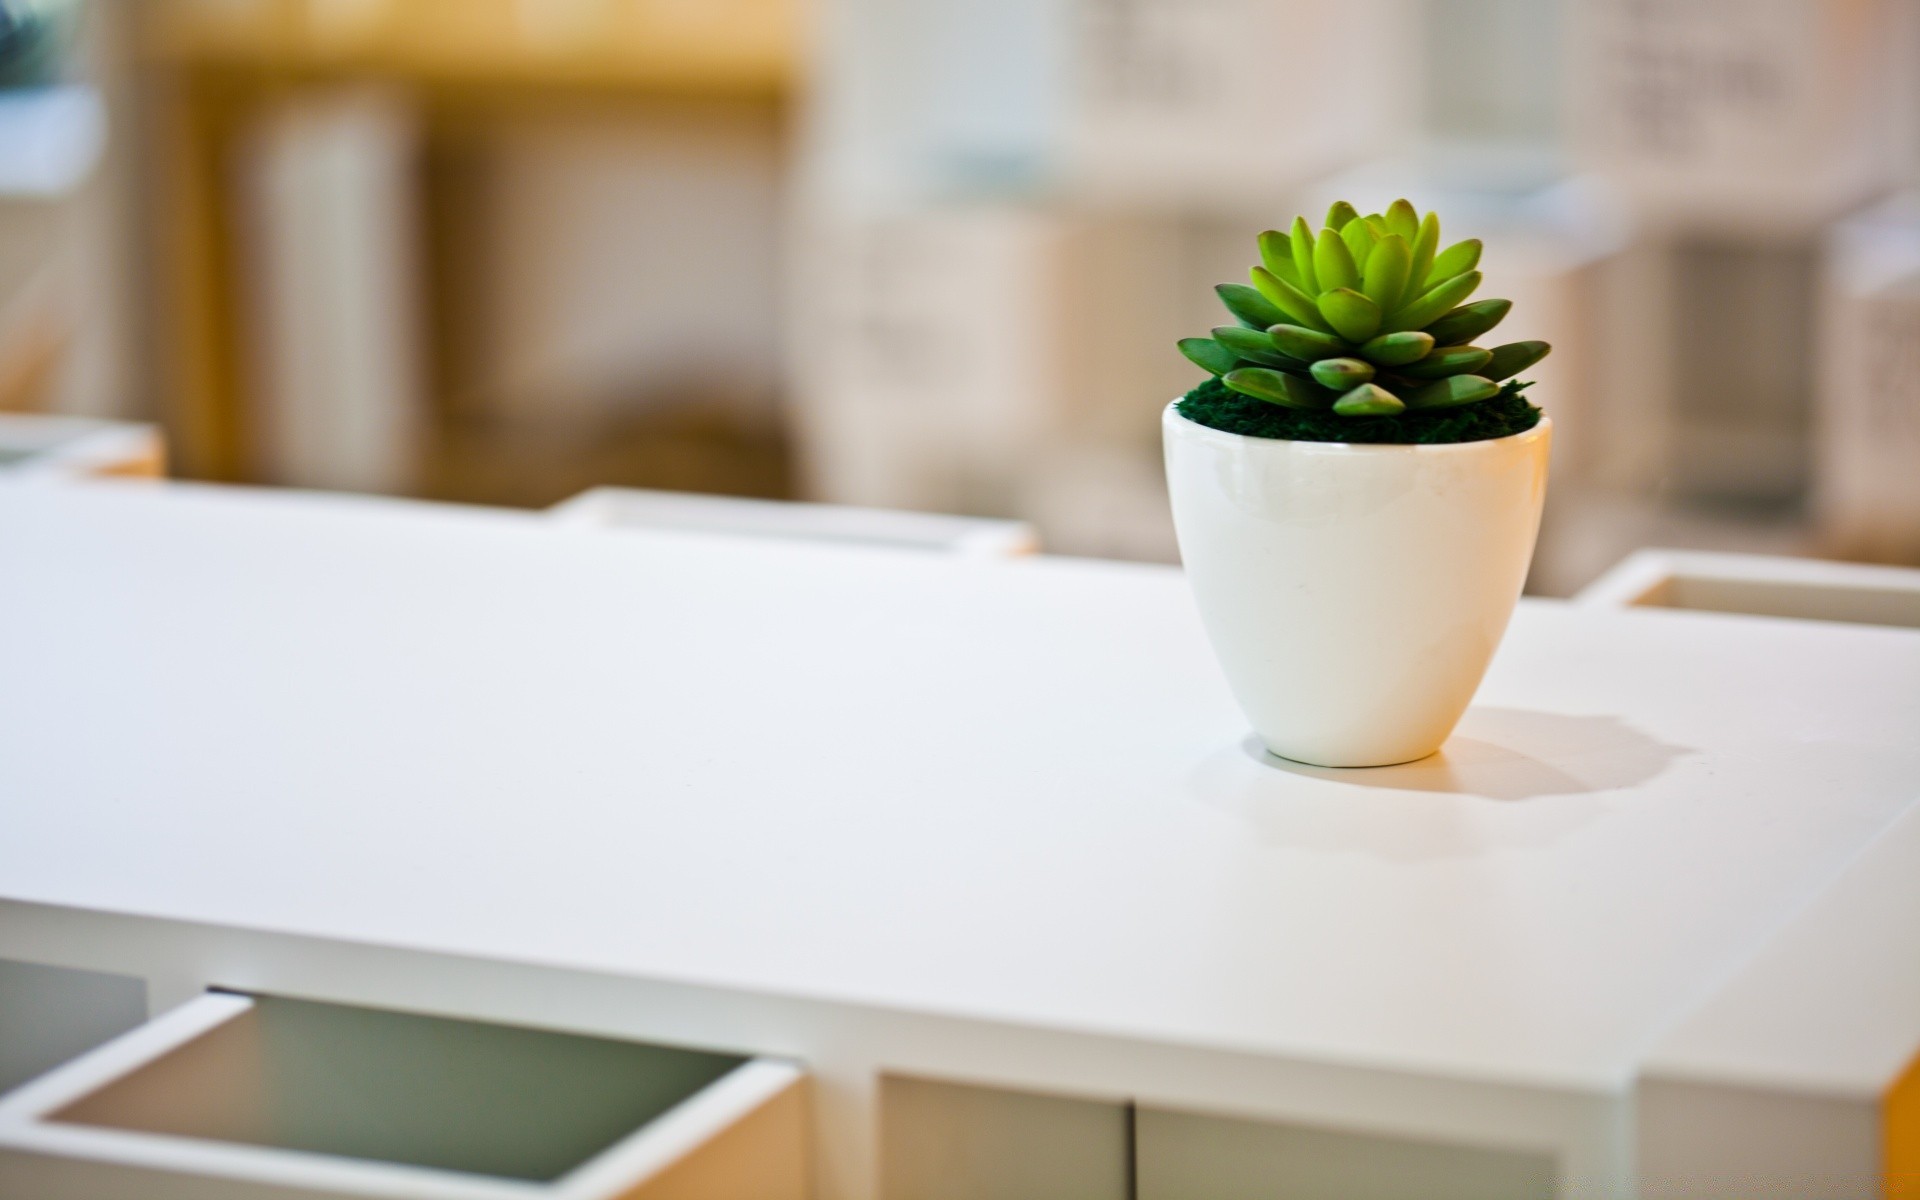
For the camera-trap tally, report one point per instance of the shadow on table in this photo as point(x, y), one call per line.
point(1510, 754)
point(1522, 778)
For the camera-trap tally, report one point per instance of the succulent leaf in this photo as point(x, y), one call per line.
point(1378, 224)
point(1276, 255)
point(1452, 392)
point(1339, 215)
point(1368, 400)
point(1514, 357)
point(1396, 349)
point(1469, 321)
point(1424, 246)
point(1360, 241)
point(1277, 387)
point(1352, 315)
point(1254, 310)
point(1342, 374)
point(1333, 263)
point(1440, 299)
point(1302, 238)
point(1252, 345)
point(1387, 272)
point(1209, 355)
point(1307, 345)
point(1452, 360)
point(1291, 300)
point(1404, 219)
point(1457, 259)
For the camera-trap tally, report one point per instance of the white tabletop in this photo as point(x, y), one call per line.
point(1010, 791)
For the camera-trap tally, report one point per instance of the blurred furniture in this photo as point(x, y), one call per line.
point(1741, 117)
point(1760, 585)
point(56, 309)
point(1867, 420)
point(983, 844)
point(1736, 131)
point(637, 508)
point(316, 308)
point(1586, 531)
point(78, 447)
point(1008, 212)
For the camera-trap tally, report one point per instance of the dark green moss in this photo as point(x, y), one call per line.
point(1216, 406)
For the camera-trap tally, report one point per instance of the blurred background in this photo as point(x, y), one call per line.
point(934, 254)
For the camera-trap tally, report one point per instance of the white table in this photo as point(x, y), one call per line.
point(973, 820)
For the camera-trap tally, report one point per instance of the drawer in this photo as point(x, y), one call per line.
point(234, 1096)
point(954, 1141)
point(1194, 1156)
point(51, 1014)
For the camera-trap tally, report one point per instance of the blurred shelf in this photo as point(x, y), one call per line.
point(214, 73)
point(729, 45)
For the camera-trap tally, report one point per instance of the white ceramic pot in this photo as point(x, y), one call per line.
point(1354, 594)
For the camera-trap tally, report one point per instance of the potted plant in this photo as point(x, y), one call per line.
point(1357, 487)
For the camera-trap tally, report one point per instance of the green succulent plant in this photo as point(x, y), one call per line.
point(1369, 317)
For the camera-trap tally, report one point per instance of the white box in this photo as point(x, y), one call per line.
point(638, 508)
point(1213, 104)
point(925, 354)
point(1766, 115)
point(995, 359)
point(1224, 104)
